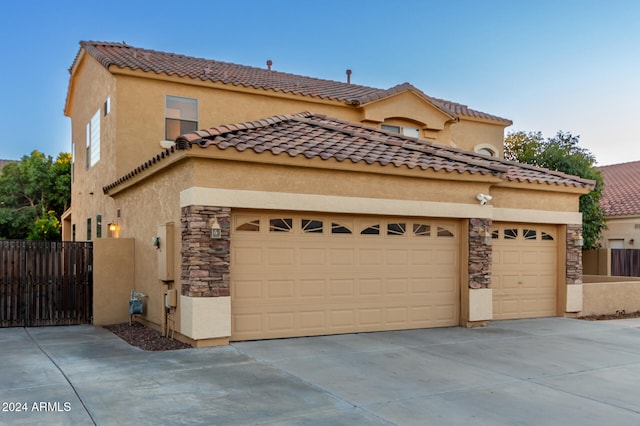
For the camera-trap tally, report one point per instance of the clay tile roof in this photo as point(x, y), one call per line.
point(318, 136)
point(621, 195)
point(125, 56)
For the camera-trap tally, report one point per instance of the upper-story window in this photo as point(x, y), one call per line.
point(181, 116)
point(486, 149)
point(403, 130)
point(93, 140)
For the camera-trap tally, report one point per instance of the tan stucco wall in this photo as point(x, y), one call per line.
point(153, 203)
point(92, 85)
point(622, 229)
point(468, 134)
point(609, 297)
point(113, 280)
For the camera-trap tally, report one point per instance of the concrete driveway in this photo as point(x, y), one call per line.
point(527, 372)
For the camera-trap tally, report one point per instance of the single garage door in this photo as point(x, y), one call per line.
point(524, 275)
point(313, 274)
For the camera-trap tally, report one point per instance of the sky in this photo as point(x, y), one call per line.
point(547, 65)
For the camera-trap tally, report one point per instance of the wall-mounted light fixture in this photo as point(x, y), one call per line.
point(114, 230)
point(216, 231)
point(155, 242)
point(485, 236)
point(577, 239)
point(631, 241)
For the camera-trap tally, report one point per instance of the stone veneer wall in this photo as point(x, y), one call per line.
point(480, 255)
point(574, 256)
point(205, 261)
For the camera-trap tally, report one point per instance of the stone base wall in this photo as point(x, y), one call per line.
point(480, 254)
point(205, 261)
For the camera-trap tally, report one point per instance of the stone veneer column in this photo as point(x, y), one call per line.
point(573, 265)
point(479, 298)
point(574, 255)
point(480, 255)
point(205, 261)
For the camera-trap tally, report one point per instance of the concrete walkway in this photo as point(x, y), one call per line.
point(528, 372)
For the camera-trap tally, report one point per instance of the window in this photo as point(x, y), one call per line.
point(88, 229)
point(510, 234)
point(421, 230)
point(107, 106)
point(396, 228)
point(99, 226)
point(280, 225)
point(406, 131)
point(93, 140)
point(371, 230)
point(251, 226)
point(181, 116)
point(312, 226)
point(529, 234)
point(444, 232)
point(73, 232)
point(337, 228)
point(486, 149)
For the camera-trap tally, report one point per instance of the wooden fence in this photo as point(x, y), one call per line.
point(45, 283)
point(625, 262)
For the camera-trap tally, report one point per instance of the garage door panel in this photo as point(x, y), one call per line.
point(397, 257)
point(312, 257)
point(287, 284)
point(370, 287)
point(313, 320)
point(342, 318)
point(312, 289)
point(278, 321)
point(342, 257)
point(370, 256)
point(248, 290)
point(280, 289)
point(524, 271)
point(342, 288)
point(248, 256)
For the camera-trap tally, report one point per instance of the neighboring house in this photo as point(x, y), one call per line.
point(310, 206)
point(4, 163)
point(621, 204)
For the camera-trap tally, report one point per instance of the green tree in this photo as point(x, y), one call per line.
point(563, 153)
point(32, 190)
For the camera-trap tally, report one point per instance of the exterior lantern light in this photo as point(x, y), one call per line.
point(114, 230)
point(577, 239)
point(485, 236)
point(216, 232)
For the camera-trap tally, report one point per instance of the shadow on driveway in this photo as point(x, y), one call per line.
point(541, 371)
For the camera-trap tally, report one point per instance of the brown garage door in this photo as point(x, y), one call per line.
point(525, 259)
point(312, 274)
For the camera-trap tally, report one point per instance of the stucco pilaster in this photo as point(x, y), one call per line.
point(205, 261)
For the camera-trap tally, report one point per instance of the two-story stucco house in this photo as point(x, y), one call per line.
point(310, 206)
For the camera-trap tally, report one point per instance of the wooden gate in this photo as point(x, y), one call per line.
point(625, 262)
point(45, 283)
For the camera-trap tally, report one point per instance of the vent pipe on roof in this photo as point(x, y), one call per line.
point(348, 76)
point(269, 63)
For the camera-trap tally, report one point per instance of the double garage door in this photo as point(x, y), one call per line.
point(525, 267)
point(314, 274)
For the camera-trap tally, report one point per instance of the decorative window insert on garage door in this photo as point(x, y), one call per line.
point(313, 274)
point(525, 270)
